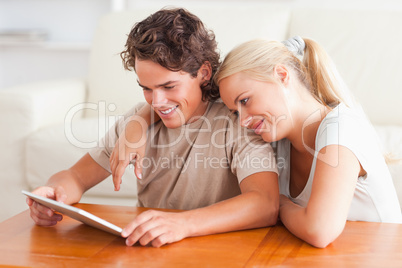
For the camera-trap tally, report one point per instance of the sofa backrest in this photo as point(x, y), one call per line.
point(366, 48)
point(109, 82)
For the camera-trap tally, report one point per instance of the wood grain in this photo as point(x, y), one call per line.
point(71, 243)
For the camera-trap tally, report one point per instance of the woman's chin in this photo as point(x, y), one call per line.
point(267, 137)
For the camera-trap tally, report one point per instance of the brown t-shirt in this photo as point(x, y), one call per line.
point(195, 165)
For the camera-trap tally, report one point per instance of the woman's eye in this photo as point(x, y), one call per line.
point(243, 101)
point(234, 112)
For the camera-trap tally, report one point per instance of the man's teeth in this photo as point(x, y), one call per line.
point(168, 111)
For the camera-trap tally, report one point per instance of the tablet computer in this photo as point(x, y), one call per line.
point(76, 213)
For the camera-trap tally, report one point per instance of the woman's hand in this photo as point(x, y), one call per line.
point(43, 215)
point(156, 227)
point(130, 146)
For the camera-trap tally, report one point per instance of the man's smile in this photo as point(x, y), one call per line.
point(168, 111)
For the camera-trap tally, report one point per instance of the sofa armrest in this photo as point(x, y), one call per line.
point(23, 110)
point(43, 103)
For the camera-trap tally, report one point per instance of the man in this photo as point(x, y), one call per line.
point(197, 158)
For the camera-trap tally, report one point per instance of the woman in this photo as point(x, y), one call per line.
point(331, 165)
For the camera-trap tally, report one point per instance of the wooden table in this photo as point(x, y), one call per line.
point(72, 244)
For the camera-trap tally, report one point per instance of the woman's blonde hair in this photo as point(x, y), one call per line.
point(258, 58)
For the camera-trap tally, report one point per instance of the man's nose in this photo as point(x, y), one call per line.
point(158, 98)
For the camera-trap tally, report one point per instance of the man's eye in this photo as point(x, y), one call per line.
point(236, 113)
point(243, 101)
point(169, 87)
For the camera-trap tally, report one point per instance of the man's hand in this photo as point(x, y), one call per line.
point(156, 227)
point(43, 215)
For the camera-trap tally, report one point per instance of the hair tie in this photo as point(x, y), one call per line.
point(296, 45)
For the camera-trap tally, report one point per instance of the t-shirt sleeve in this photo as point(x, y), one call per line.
point(350, 130)
point(249, 154)
point(101, 153)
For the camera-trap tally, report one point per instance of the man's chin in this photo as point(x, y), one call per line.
point(171, 124)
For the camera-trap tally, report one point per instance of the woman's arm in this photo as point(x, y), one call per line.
point(257, 206)
point(131, 144)
point(324, 218)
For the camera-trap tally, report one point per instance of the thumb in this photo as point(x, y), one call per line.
point(60, 194)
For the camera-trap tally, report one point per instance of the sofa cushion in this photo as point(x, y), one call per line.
point(56, 148)
point(396, 170)
point(391, 140)
point(363, 45)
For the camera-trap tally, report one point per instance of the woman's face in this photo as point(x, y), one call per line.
point(262, 106)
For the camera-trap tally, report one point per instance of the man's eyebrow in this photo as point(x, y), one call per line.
point(161, 85)
point(167, 83)
point(140, 84)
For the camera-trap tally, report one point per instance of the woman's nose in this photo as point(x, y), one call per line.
point(245, 120)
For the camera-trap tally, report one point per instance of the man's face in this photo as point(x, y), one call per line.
point(175, 96)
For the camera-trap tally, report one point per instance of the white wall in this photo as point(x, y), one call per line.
point(66, 20)
point(71, 23)
point(358, 4)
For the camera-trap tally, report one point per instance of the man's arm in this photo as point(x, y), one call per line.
point(66, 186)
point(257, 206)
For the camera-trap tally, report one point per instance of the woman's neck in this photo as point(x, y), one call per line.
point(307, 119)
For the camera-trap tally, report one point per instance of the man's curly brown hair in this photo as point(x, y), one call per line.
point(178, 41)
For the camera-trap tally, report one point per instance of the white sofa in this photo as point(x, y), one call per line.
point(45, 127)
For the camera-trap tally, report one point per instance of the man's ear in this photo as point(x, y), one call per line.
point(205, 72)
point(282, 73)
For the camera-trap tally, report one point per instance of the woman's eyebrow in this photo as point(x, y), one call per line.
point(237, 98)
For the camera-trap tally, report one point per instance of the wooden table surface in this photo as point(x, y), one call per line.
point(73, 244)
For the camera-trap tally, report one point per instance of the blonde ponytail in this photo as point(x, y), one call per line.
point(326, 84)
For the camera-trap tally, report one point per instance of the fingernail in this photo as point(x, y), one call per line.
point(139, 176)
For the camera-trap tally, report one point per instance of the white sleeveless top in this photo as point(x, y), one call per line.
point(375, 198)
